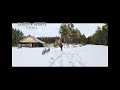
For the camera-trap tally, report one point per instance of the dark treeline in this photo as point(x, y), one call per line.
point(100, 37)
point(16, 36)
point(74, 36)
point(48, 39)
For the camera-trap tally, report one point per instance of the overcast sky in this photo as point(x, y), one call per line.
point(52, 29)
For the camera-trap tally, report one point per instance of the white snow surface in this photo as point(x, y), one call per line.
point(85, 56)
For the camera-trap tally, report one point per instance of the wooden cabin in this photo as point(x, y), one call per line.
point(31, 41)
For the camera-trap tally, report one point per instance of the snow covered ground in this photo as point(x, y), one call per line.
point(85, 56)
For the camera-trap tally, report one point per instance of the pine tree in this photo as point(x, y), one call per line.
point(16, 36)
point(101, 36)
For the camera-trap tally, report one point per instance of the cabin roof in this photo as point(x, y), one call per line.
point(35, 40)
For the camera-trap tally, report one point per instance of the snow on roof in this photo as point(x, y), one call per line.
point(33, 38)
point(38, 40)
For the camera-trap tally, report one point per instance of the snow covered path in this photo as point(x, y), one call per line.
point(66, 58)
point(85, 56)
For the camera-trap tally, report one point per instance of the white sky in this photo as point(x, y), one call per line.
point(52, 29)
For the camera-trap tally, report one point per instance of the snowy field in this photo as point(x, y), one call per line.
point(85, 56)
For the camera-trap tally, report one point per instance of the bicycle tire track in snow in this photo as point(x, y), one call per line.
point(66, 58)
